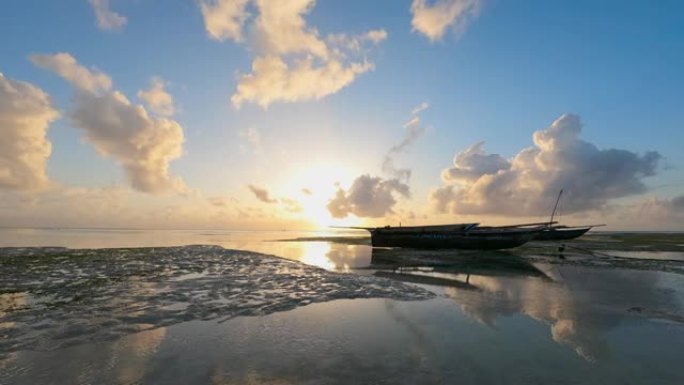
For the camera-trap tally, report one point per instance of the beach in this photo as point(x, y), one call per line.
point(226, 307)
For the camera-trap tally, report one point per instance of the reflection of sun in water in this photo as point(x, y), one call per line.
point(315, 186)
point(316, 253)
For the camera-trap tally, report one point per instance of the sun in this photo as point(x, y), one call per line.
point(314, 186)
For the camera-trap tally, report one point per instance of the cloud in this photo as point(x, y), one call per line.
point(64, 65)
point(66, 206)
point(480, 183)
point(433, 20)
point(25, 113)
point(106, 18)
point(292, 62)
point(368, 197)
point(157, 99)
point(272, 80)
point(653, 212)
point(262, 194)
point(223, 19)
point(375, 196)
point(414, 131)
point(141, 144)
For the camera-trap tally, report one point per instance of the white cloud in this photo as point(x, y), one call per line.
point(414, 131)
point(223, 19)
point(368, 197)
point(432, 20)
point(157, 98)
point(106, 18)
point(25, 113)
point(281, 28)
point(141, 144)
point(480, 183)
point(273, 80)
point(292, 62)
point(64, 65)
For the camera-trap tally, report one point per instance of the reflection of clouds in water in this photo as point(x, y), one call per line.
point(315, 253)
point(346, 257)
point(333, 256)
point(586, 305)
point(131, 353)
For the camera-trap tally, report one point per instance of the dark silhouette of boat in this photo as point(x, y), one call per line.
point(554, 232)
point(467, 236)
point(561, 233)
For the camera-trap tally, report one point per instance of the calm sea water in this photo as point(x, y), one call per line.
point(524, 324)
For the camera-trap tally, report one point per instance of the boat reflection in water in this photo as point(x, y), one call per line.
point(581, 304)
point(446, 268)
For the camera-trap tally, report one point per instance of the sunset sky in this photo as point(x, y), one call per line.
point(300, 114)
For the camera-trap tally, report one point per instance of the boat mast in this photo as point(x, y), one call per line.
point(553, 213)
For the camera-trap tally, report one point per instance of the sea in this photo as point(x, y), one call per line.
point(127, 306)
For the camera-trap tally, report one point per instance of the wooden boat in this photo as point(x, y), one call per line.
point(466, 236)
point(559, 232)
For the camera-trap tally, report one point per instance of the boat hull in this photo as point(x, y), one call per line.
point(560, 234)
point(470, 240)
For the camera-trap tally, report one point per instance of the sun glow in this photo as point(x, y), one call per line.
point(314, 187)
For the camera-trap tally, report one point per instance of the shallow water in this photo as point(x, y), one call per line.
point(207, 315)
point(660, 255)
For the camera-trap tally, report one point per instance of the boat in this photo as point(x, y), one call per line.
point(466, 236)
point(555, 232)
point(561, 233)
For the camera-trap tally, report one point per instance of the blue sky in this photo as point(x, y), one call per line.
point(500, 71)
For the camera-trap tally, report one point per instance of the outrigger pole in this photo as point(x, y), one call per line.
point(553, 213)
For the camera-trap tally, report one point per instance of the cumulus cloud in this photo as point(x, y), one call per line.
point(414, 131)
point(25, 113)
point(262, 194)
point(106, 18)
point(223, 19)
point(527, 184)
point(432, 20)
point(292, 62)
point(141, 144)
point(158, 100)
point(376, 196)
point(368, 197)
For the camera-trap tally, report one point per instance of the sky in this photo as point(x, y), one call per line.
point(301, 114)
